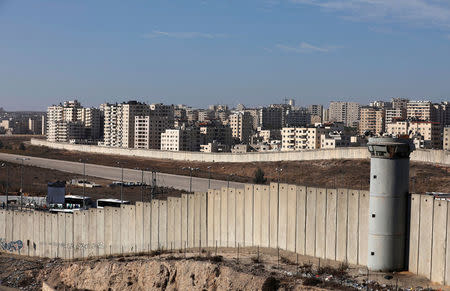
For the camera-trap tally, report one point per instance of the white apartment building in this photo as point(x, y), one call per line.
point(333, 140)
point(241, 124)
point(64, 124)
point(395, 114)
point(148, 128)
point(120, 121)
point(421, 110)
point(92, 120)
point(346, 112)
point(427, 133)
point(182, 139)
point(371, 120)
point(301, 138)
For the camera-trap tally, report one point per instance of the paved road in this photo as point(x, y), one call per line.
point(114, 173)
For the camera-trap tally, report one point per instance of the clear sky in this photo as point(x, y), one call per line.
point(225, 51)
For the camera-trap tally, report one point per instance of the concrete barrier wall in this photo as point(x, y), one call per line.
point(324, 223)
point(429, 243)
point(427, 156)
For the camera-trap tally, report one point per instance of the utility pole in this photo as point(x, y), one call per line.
point(153, 185)
point(21, 179)
point(121, 184)
point(84, 183)
point(209, 177)
point(142, 185)
point(190, 176)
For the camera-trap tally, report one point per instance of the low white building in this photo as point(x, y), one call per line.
point(182, 139)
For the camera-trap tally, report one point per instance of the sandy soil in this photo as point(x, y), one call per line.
point(206, 270)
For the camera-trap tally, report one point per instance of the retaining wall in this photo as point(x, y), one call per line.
point(426, 156)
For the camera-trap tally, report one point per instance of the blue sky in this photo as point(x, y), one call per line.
point(227, 51)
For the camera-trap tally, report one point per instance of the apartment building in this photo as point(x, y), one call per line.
point(446, 139)
point(36, 125)
point(331, 140)
point(301, 138)
point(92, 119)
point(255, 114)
point(426, 134)
point(216, 132)
point(315, 113)
point(241, 124)
point(371, 120)
point(296, 117)
point(316, 110)
point(148, 128)
point(181, 139)
point(67, 122)
point(346, 112)
point(271, 117)
point(421, 110)
point(119, 124)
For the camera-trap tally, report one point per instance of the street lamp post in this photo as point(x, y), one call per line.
point(209, 177)
point(190, 176)
point(84, 182)
point(142, 183)
point(21, 179)
point(228, 180)
point(121, 184)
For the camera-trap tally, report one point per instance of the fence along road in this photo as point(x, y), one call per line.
point(179, 182)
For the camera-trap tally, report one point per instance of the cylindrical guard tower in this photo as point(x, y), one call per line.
point(389, 187)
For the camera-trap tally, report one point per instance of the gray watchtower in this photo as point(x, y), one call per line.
point(389, 188)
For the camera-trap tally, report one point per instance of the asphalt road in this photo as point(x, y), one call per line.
point(115, 173)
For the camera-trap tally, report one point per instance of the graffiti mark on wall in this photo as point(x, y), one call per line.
point(12, 246)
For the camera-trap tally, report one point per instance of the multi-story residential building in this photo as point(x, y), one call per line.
point(333, 140)
point(148, 128)
point(446, 139)
point(255, 114)
point(119, 123)
point(36, 125)
point(206, 115)
point(427, 133)
point(401, 103)
point(395, 114)
point(346, 112)
point(181, 139)
point(241, 124)
point(380, 104)
point(70, 122)
point(272, 117)
point(301, 138)
point(296, 117)
point(372, 120)
point(92, 119)
point(315, 110)
point(269, 134)
point(315, 113)
point(397, 111)
point(445, 106)
point(215, 131)
point(421, 110)
point(192, 115)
